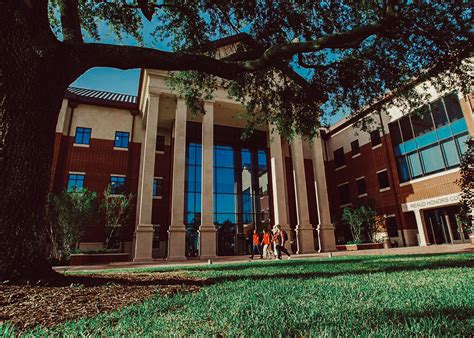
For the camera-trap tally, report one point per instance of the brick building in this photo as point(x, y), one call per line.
point(199, 187)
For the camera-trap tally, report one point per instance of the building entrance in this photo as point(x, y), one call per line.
point(443, 227)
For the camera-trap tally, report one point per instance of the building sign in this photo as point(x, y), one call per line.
point(432, 202)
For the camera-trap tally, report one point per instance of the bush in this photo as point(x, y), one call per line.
point(69, 213)
point(364, 222)
point(117, 210)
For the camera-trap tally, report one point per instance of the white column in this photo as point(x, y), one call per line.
point(277, 163)
point(420, 223)
point(304, 229)
point(207, 231)
point(143, 237)
point(177, 232)
point(326, 236)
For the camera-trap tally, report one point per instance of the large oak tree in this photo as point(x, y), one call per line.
point(296, 62)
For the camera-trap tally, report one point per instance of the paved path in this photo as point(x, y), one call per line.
point(416, 250)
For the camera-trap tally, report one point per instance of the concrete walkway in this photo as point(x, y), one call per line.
point(414, 250)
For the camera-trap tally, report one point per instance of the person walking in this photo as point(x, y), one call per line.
point(267, 241)
point(256, 244)
point(282, 238)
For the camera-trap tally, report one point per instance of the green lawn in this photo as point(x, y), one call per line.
point(364, 295)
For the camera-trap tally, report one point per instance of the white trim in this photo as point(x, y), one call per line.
point(391, 215)
point(120, 148)
point(158, 177)
point(76, 173)
point(157, 197)
point(341, 184)
point(161, 152)
point(382, 170)
point(345, 205)
point(377, 146)
point(359, 178)
point(80, 145)
point(416, 180)
point(384, 189)
point(118, 175)
point(341, 167)
point(363, 195)
point(356, 155)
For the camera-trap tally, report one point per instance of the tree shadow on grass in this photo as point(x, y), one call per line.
point(389, 268)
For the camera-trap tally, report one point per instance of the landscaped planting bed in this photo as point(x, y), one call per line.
point(422, 295)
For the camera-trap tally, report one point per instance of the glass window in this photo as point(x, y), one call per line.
point(355, 147)
point(344, 194)
point(459, 126)
point(426, 139)
point(160, 143)
point(403, 171)
point(405, 126)
point(117, 184)
point(432, 159)
point(75, 182)
point(157, 187)
point(194, 154)
point(453, 107)
point(121, 139)
point(225, 203)
point(421, 121)
point(444, 132)
point(223, 157)
point(220, 219)
point(383, 179)
point(450, 153)
point(361, 188)
point(414, 165)
point(391, 224)
point(461, 142)
point(224, 180)
point(262, 159)
point(246, 158)
point(339, 158)
point(395, 133)
point(83, 135)
point(439, 113)
point(375, 138)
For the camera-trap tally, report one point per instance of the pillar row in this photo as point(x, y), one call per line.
point(207, 231)
point(143, 237)
point(326, 235)
point(279, 194)
point(304, 229)
point(177, 231)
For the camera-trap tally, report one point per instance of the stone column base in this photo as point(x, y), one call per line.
point(176, 243)
point(326, 238)
point(143, 243)
point(207, 242)
point(305, 240)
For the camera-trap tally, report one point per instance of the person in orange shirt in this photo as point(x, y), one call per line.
point(256, 244)
point(267, 244)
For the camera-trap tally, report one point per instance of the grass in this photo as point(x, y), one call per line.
point(422, 295)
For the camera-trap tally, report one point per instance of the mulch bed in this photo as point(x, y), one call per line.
point(65, 297)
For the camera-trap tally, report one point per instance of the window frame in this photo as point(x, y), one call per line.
point(74, 173)
point(379, 138)
point(341, 202)
point(343, 157)
point(356, 152)
point(154, 192)
point(386, 188)
point(121, 134)
point(80, 130)
point(160, 137)
point(117, 176)
point(357, 180)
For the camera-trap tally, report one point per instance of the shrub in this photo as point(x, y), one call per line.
point(364, 222)
point(69, 213)
point(117, 210)
point(466, 183)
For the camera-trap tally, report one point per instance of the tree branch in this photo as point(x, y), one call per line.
point(70, 21)
point(127, 57)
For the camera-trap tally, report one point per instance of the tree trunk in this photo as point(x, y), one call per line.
point(31, 92)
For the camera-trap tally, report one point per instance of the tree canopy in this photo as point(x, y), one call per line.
point(295, 62)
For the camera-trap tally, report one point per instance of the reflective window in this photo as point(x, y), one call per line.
point(75, 182)
point(461, 142)
point(450, 153)
point(432, 159)
point(339, 159)
point(344, 194)
point(383, 179)
point(355, 147)
point(375, 138)
point(435, 144)
point(361, 188)
point(83, 135)
point(453, 107)
point(117, 184)
point(121, 139)
point(157, 187)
